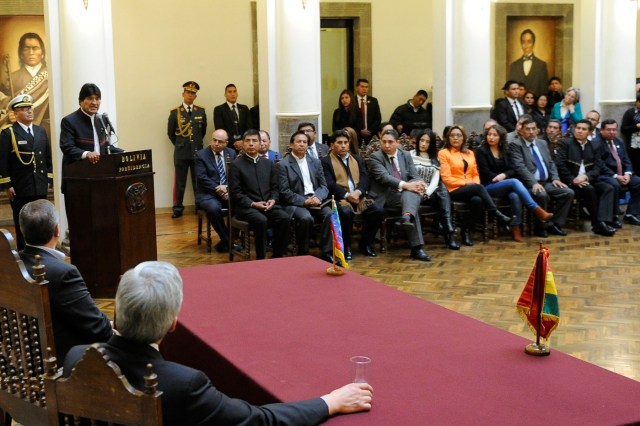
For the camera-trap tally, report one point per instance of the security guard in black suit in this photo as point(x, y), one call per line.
point(187, 127)
point(25, 160)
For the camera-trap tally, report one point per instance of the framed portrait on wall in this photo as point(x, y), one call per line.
point(23, 65)
point(533, 43)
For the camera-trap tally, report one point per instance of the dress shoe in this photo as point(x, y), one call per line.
point(541, 232)
point(450, 241)
point(328, 258)
point(176, 215)
point(615, 223)
point(406, 223)
point(466, 237)
point(554, 229)
point(222, 247)
point(601, 228)
point(503, 219)
point(347, 253)
point(516, 232)
point(418, 253)
point(542, 214)
point(631, 219)
point(368, 250)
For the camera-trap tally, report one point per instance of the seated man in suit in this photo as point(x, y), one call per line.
point(540, 176)
point(618, 170)
point(253, 188)
point(580, 166)
point(316, 150)
point(303, 189)
point(153, 290)
point(233, 117)
point(348, 182)
point(212, 193)
point(75, 316)
point(265, 150)
point(395, 183)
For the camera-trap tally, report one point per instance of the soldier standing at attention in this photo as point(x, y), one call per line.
point(187, 127)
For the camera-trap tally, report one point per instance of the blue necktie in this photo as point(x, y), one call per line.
point(536, 158)
point(220, 167)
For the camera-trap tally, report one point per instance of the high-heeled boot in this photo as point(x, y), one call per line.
point(466, 237)
point(450, 241)
point(542, 214)
point(516, 231)
point(503, 219)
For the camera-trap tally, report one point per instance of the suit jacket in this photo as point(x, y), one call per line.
point(34, 178)
point(252, 180)
point(405, 115)
point(75, 316)
point(342, 119)
point(452, 169)
point(503, 113)
point(207, 173)
point(569, 155)
point(223, 118)
point(383, 183)
point(330, 176)
point(489, 167)
point(610, 165)
point(189, 398)
point(524, 165)
point(321, 148)
point(187, 132)
point(374, 118)
point(76, 138)
point(291, 183)
point(538, 79)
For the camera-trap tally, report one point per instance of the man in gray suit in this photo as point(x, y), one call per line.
point(395, 183)
point(534, 165)
point(303, 188)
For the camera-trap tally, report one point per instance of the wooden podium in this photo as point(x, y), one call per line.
point(111, 213)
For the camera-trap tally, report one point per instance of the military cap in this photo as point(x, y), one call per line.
point(191, 86)
point(21, 101)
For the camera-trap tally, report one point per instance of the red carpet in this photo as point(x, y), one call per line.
point(284, 330)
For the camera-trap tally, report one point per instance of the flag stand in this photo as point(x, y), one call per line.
point(334, 269)
point(537, 348)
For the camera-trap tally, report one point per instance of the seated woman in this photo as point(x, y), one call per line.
point(498, 178)
point(347, 114)
point(568, 110)
point(459, 173)
point(425, 158)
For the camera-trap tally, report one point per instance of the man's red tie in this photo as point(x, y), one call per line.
point(396, 173)
point(363, 113)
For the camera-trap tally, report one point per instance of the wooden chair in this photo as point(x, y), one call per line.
point(238, 229)
point(97, 391)
point(26, 330)
point(461, 209)
point(391, 215)
point(204, 234)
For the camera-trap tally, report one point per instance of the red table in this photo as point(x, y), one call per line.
point(283, 330)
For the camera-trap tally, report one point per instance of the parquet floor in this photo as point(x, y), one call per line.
point(598, 282)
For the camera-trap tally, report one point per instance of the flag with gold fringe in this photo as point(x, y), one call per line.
point(538, 304)
point(336, 233)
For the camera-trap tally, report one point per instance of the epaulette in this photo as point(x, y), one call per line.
point(176, 108)
point(198, 106)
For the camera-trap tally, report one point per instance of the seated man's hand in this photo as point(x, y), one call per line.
point(222, 192)
point(312, 201)
point(269, 204)
point(350, 398)
point(354, 197)
point(416, 186)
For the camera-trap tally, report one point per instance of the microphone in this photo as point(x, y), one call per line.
point(108, 122)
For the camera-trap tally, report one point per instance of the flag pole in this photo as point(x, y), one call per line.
point(538, 349)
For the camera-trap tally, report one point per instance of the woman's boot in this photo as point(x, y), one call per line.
point(542, 214)
point(466, 237)
point(450, 241)
point(517, 233)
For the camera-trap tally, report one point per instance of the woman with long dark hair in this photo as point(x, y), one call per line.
point(347, 114)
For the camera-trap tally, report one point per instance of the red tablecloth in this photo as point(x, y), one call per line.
point(283, 330)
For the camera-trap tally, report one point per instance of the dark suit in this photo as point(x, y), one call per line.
point(524, 165)
point(323, 150)
point(504, 114)
point(189, 398)
point(293, 196)
point(373, 118)
point(224, 118)
point(208, 180)
point(29, 173)
point(253, 180)
point(371, 217)
point(76, 318)
point(629, 127)
point(611, 169)
point(598, 195)
point(186, 132)
point(410, 119)
point(384, 188)
point(537, 80)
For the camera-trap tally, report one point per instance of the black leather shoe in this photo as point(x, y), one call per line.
point(222, 247)
point(327, 257)
point(503, 219)
point(176, 215)
point(601, 228)
point(347, 254)
point(554, 229)
point(418, 253)
point(466, 237)
point(631, 219)
point(450, 241)
point(368, 250)
point(406, 223)
point(541, 233)
point(615, 223)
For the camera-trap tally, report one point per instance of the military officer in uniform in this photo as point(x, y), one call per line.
point(187, 127)
point(25, 160)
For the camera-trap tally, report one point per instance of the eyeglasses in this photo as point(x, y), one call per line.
point(456, 136)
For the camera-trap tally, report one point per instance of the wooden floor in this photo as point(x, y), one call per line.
point(598, 282)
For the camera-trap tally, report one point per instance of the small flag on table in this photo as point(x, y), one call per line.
point(538, 303)
point(336, 233)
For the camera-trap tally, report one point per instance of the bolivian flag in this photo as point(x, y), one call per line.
point(336, 233)
point(538, 303)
